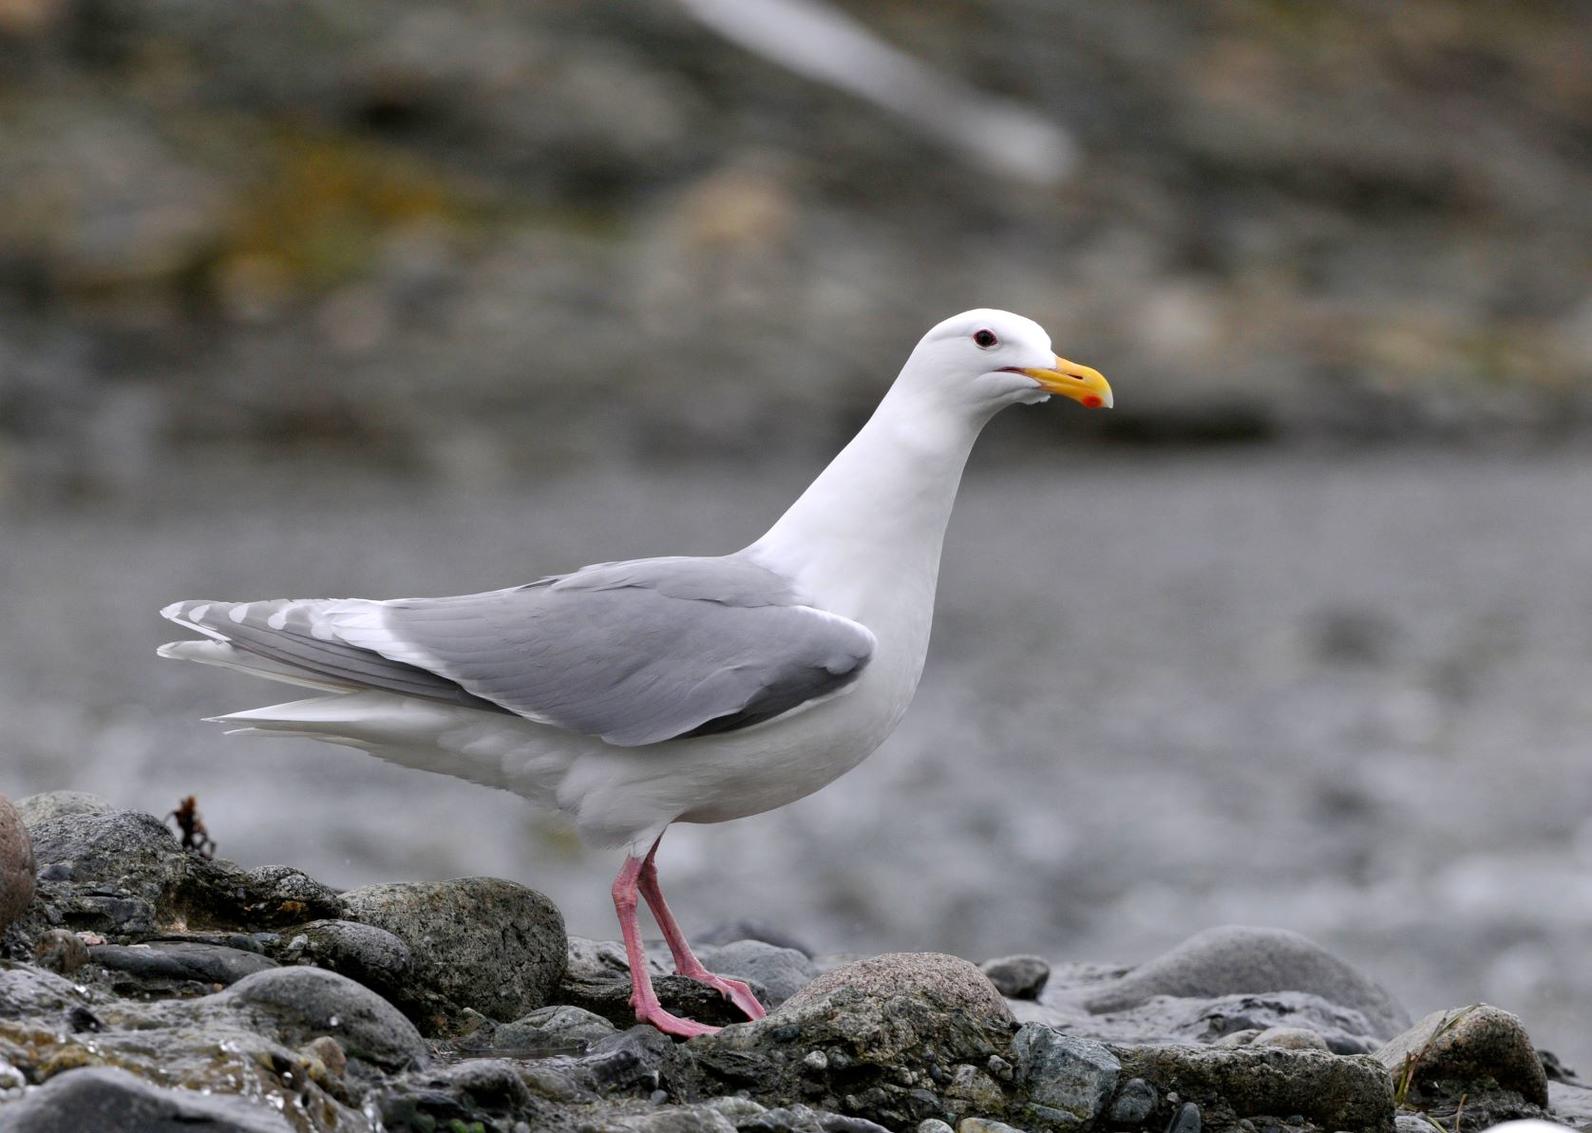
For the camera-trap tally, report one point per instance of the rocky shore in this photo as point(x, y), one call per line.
point(146, 987)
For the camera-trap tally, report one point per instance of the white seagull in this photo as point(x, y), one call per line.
point(636, 694)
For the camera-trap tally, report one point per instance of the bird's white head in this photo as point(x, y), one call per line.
point(984, 360)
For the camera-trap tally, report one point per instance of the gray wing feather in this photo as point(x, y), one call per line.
point(635, 652)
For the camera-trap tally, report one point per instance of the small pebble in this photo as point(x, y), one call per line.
point(330, 1052)
point(999, 1067)
point(816, 1060)
point(933, 1125)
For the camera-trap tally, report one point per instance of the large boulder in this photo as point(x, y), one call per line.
point(1238, 960)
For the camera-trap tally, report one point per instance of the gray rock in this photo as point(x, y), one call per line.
point(178, 961)
point(476, 942)
point(984, 1125)
point(362, 952)
point(17, 865)
point(59, 804)
point(29, 992)
point(301, 1004)
point(1135, 1101)
point(1017, 977)
point(779, 972)
point(1466, 1052)
point(106, 1100)
point(136, 853)
point(1237, 960)
point(552, 1029)
point(1338, 1092)
point(1067, 1080)
point(933, 1125)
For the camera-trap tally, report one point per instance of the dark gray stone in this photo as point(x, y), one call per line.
point(1135, 1101)
point(17, 865)
point(1017, 977)
point(180, 961)
point(106, 1100)
point(362, 952)
point(779, 972)
point(1343, 1029)
point(1239, 960)
point(1069, 1079)
point(476, 942)
point(1187, 1119)
point(1335, 1092)
point(1466, 1052)
point(301, 1004)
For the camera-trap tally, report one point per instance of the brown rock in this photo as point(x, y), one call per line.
point(17, 866)
point(1466, 1051)
point(946, 982)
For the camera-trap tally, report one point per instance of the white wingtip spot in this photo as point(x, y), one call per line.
point(239, 613)
point(197, 614)
point(278, 620)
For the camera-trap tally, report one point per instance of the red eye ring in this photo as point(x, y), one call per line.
point(984, 338)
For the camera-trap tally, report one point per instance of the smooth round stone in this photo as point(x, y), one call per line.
point(1474, 1047)
point(303, 1004)
point(17, 865)
point(946, 982)
point(1290, 1038)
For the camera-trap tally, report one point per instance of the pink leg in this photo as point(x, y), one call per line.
point(642, 997)
point(685, 961)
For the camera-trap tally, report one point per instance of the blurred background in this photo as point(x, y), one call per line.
point(330, 297)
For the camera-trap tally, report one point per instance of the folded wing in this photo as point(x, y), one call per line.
point(634, 652)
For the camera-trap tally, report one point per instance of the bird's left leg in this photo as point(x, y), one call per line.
point(685, 961)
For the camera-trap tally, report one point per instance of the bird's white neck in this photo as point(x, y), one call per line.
point(864, 539)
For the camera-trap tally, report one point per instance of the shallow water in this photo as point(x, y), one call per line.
point(1345, 695)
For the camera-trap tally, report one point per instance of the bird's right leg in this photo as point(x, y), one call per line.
point(642, 997)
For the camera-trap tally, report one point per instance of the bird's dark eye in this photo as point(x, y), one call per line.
point(985, 338)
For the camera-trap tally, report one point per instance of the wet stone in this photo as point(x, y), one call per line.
point(551, 1030)
point(107, 1100)
point(1187, 1119)
point(778, 972)
point(160, 965)
point(301, 1004)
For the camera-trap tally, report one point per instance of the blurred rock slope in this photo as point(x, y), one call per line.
point(437, 232)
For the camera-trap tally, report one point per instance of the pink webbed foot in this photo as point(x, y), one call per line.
point(736, 991)
point(672, 1024)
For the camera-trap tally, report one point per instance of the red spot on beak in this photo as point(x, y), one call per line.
point(1092, 403)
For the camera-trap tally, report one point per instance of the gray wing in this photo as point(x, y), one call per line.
point(635, 652)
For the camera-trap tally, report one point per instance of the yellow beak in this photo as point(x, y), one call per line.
point(1080, 383)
